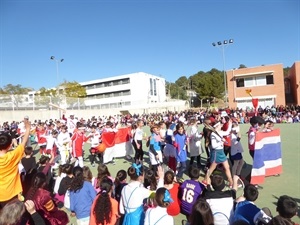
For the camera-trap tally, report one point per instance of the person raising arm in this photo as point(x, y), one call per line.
point(10, 182)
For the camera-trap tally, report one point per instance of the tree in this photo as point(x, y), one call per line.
point(65, 95)
point(242, 66)
point(286, 71)
point(208, 85)
point(16, 93)
point(182, 82)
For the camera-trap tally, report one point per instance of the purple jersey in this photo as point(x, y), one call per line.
point(190, 190)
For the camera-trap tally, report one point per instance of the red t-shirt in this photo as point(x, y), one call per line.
point(174, 208)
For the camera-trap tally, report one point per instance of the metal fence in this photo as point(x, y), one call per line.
point(27, 102)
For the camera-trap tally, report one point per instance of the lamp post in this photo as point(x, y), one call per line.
point(222, 45)
point(57, 62)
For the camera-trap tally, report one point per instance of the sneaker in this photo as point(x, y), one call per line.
point(128, 157)
point(276, 175)
point(93, 164)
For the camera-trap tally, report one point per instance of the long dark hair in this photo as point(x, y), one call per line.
point(77, 182)
point(39, 181)
point(102, 172)
point(121, 176)
point(201, 213)
point(103, 208)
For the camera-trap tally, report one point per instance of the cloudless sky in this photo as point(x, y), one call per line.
point(168, 38)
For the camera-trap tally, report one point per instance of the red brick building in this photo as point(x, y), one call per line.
point(266, 83)
point(292, 83)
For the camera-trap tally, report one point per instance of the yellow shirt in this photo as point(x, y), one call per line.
point(10, 181)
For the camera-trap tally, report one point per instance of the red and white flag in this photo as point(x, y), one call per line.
point(117, 144)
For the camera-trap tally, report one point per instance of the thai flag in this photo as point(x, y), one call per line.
point(267, 158)
point(117, 144)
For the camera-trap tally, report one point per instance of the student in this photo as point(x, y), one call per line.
point(159, 215)
point(119, 183)
point(236, 151)
point(150, 181)
point(287, 208)
point(12, 213)
point(247, 210)
point(78, 139)
point(180, 145)
point(173, 187)
point(61, 174)
point(44, 203)
point(51, 143)
point(255, 122)
point(41, 133)
point(220, 201)
point(189, 191)
point(9, 160)
point(162, 133)
point(155, 153)
point(201, 213)
point(95, 140)
point(133, 195)
point(82, 195)
point(65, 183)
point(217, 152)
point(63, 144)
point(194, 143)
point(170, 151)
point(102, 172)
point(137, 142)
point(29, 161)
point(105, 209)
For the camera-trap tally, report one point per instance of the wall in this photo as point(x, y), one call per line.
point(294, 76)
point(276, 89)
point(56, 114)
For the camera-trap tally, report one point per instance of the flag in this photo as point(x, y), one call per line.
point(267, 158)
point(117, 144)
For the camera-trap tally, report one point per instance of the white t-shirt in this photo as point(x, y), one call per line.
point(158, 216)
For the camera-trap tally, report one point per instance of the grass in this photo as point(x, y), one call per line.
point(286, 184)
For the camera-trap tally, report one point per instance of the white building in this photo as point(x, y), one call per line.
point(135, 89)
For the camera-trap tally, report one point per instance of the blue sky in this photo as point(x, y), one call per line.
point(168, 38)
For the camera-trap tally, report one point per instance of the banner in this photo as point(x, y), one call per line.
point(267, 157)
point(117, 144)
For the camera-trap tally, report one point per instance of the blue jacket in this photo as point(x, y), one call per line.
point(81, 201)
point(180, 140)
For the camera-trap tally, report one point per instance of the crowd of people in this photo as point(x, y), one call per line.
point(60, 184)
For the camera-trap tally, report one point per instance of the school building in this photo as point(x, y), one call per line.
point(267, 83)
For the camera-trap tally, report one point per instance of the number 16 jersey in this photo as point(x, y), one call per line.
point(189, 192)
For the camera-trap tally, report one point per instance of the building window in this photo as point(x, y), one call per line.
point(151, 87)
point(254, 81)
point(260, 80)
point(270, 79)
point(249, 81)
point(154, 86)
point(240, 82)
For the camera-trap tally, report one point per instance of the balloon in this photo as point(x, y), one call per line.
point(101, 147)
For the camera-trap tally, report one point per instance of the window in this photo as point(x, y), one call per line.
point(260, 80)
point(240, 82)
point(254, 81)
point(249, 81)
point(270, 79)
point(154, 85)
point(151, 88)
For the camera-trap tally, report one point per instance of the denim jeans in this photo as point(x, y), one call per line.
point(181, 169)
